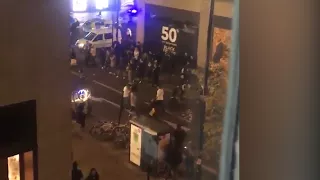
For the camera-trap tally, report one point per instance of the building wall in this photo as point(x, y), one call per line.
point(34, 65)
point(223, 8)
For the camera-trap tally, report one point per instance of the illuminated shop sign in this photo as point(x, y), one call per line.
point(96, 5)
point(79, 5)
point(102, 4)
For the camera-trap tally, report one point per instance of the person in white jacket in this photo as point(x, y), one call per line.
point(126, 95)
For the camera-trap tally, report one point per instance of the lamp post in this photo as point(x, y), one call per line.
point(118, 5)
point(209, 47)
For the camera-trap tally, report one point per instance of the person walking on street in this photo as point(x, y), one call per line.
point(185, 59)
point(107, 60)
point(149, 71)
point(130, 73)
point(133, 100)
point(81, 115)
point(185, 74)
point(141, 70)
point(93, 53)
point(87, 53)
point(113, 62)
point(76, 173)
point(126, 96)
point(139, 46)
point(93, 175)
point(136, 53)
point(160, 97)
point(155, 74)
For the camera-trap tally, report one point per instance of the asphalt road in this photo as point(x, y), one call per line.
point(106, 97)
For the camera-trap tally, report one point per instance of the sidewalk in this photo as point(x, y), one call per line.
point(111, 163)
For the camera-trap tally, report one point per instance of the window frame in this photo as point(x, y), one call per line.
point(94, 39)
point(104, 36)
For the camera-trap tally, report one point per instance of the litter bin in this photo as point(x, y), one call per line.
point(147, 139)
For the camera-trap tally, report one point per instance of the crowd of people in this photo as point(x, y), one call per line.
point(130, 61)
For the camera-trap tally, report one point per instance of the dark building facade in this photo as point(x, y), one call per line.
point(169, 29)
point(194, 12)
point(35, 130)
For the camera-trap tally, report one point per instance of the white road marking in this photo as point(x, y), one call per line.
point(170, 113)
point(96, 99)
point(108, 87)
point(75, 73)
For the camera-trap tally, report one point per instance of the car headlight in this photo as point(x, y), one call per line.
point(80, 45)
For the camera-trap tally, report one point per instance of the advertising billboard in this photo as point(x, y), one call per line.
point(135, 145)
point(173, 30)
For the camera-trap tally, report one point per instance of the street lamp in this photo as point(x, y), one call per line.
point(118, 5)
point(209, 47)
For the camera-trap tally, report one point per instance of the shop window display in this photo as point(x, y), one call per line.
point(21, 166)
point(14, 167)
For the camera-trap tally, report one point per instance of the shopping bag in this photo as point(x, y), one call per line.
point(73, 62)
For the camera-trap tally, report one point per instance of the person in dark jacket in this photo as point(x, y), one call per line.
point(76, 173)
point(93, 175)
point(155, 74)
point(87, 53)
point(141, 70)
point(219, 52)
point(81, 116)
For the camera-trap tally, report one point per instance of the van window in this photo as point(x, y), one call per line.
point(90, 36)
point(98, 38)
point(108, 36)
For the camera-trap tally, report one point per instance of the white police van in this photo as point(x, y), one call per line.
point(100, 38)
